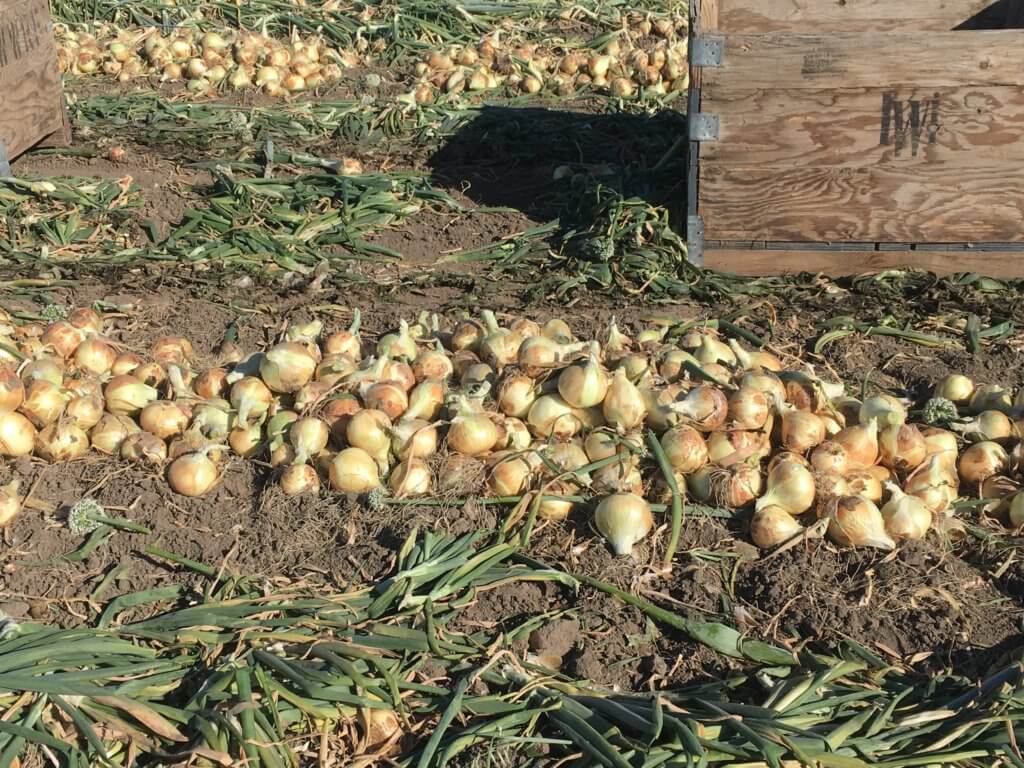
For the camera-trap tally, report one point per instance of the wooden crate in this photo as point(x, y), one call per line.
point(31, 99)
point(844, 136)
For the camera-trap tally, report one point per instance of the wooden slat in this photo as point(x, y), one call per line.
point(30, 83)
point(961, 203)
point(809, 16)
point(867, 126)
point(836, 263)
point(870, 60)
point(709, 15)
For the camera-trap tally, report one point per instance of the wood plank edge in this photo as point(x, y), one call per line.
point(1006, 264)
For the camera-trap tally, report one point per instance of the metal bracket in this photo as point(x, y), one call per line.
point(707, 51)
point(5, 165)
point(704, 127)
point(695, 240)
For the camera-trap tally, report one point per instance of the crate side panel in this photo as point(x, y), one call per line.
point(867, 126)
point(870, 60)
point(837, 263)
point(965, 202)
point(806, 16)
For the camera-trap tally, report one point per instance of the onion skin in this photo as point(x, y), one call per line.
point(771, 526)
point(685, 449)
point(623, 519)
point(297, 479)
point(353, 470)
point(17, 435)
point(856, 522)
point(193, 474)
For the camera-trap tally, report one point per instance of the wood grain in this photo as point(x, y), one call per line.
point(29, 79)
point(707, 21)
point(808, 16)
point(867, 126)
point(971, 202)
point(837, 263)
point(870, 60)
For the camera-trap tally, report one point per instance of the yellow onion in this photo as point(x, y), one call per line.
point(308, 437)
point(748, 409)
point(171, 350)
point(863, 483)
point(193, 474)
point(901, 447)
point(353, 470)
point(250, 398)
point(297, 479)
point(426, 400)
point(246, 440)
point(982, 460)
point(790, 487)
point(432, 364)
point(388, 397)
point(857, 522)
point(410, 478)
point(705, 408)
point(414, 438)
point(956, 388)
point(211, 419)
point(46, 369)
point(623, 519)
point(211, 383)
point(332, 368)
point(337, 412)
point(44, 402)
point(553, 508)
point(499, 346)
point(939, 441)
point(467, 336)
point(800, 431)
point(510, 473)
point(557, 330)
point(110, 431)
point(987, 425)
point(685, 449)
point(565, 457)
point(550, 417)
point(990, 397)
point(584, 384)
point(163, 419)
point(477, 375)
point(150, 374)
point(884, 409)
point(734, 487)
point(935, 483)
point(86, 319)
point(538, 354)
point(471, 432)
point(860, 443)
point(998, 487)
point(906, 517)
point(517, 435)
point(754, 361)
point(728, 448)
point(95, 356)
point(712, 350)
point(346, 342)
point(771, 526)
point(287, 366)
point(10, 503)
point(63, 338)
point(516, 394)
point(768, 383)
point(370, 430)
point(126, 395)
point(623, 406)
point(672, 367)
point(827, 486)
point(829, 457)
point(12, 390)
point(62, 441)
point(17, 435)
point(400, 344)
point(85, 410)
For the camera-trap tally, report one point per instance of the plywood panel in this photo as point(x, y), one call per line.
point(970, 202)
point(870, 60)
point(809, 16)
point(30, 83)
point(836, 263)
point(867, 126)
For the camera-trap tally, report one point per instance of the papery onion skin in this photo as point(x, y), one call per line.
point(353, 470)
point(856, 522)
point(17, 435)
point(771, 526)
point(193, 474)
point(623, 519)
point(297, 479)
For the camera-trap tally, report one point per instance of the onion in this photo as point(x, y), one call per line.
point(110, 432)
point(566, 457)
point(982, 460)
point(987, 425)
point(212, 383)
point(623, 405)
point(163, 419)
point(337, 412)
point(410, 478)
point(616, 343)
point(477, 375)
point(885, 409)
point(585, 384)
point(939, 441)
point(171, 350)
point(250, 398)
point(748, 409)
point(956, 388)
point(934, 483)
point(638, 368)
point(297, 479)
point(62, 441)
point(754, 361)
point(856, 522)
point(704, 407)
point(63, 338)
point(400, 372)
point(44, 402)
point(332, 368)
point(471, 432)
point(126, 395)
point(95, 356)
point(499, 346)
point(211, 419)
point(353, 470)
point(771, 526)
point(150, 374)
point(860, 443)
point(287, 366)
point(370, 430)
point(86, 319)
point(510, 473)
point(346, 342)
point(17, 435)
point(516, 394)
point(85, 410)
point(467, 336)
point(400, 344)
point(538, 354)
point(906, 517)
point(768, 383)
point(46, 369)
point(550, 417)
point(827, 486)
point(829, 457)
point(990, 397)
point(861, 482)
point(901, 447)
point(414, 438)
point(711, 350)
point(623, 519)
point(10, 503)
point(517, 434)
point(1017, 510)
point(388, 397)
point(790, 487)
point(193, 474)
point(432, 364)
point(426, 400)
point(800, 431)
point(728, 448)
point(246, 440)
point(684, 448)
point(672, 367)
point(734, 487)
point(308, 437)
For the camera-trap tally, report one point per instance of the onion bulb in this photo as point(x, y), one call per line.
point(126, 395)
point(768, 383)
point(800, 431)
point(471, 432)
point(726, 449)
point(410, 478)
point(63, 338)
point(511, 473)
point(425, 400)
point(885, 409)
point(499, 346)
point(110, 431)
point(538, 354)
point(623, 405)
point(550, 417)
point(246, 440)
point(684, 448)
point(827, 486)
point(353, 470)
point(863, 483)
point(308, 436)
point(44, 402)
point(297, 479)
point(902, 447)
point(857, 522)
point(754, 361)
point(400, 344)
point(171, 350)
point(85, 410)
point(829, 457)
point(414, 438)
point(771, 526)
point(704, 407)
point(250, 398)
point(163, 419)
point(584, 384)
point(516, 394)
point(987, 425)
point(790, 487)
point(17, 435)
point(211, 383)
point(287, 366)
point(63, 440)
point(623, 519)
point(388, 397)
point(1017, 510)
point(990, 397)
point(46, 368)
point(467, 336)
point(748, 409)
point(956, 388)
point(370, 431)
point(95, 356)
point(193, 474)
point(10, 503)
point(934, 483)
point(906, 517)
point(12, 390)
point(432, 364)
point(346, 342)
point(938, 440)
point(86, 319)
point(860, 443)
point(982, 460)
